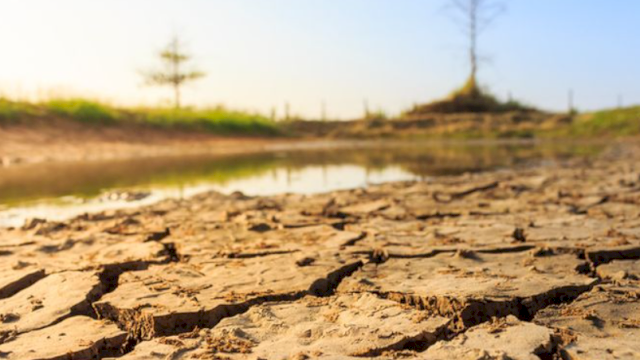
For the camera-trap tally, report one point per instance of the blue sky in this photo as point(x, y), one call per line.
point(259, 54)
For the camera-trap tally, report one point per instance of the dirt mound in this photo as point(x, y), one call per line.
point(469, 99)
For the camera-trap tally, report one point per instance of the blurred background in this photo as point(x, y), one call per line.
point(105, 104)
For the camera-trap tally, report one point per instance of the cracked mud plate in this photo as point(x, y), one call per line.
point(345, 327)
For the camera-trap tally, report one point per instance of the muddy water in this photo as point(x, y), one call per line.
point(60, 190)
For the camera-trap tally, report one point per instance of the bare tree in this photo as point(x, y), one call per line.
point(474, 16)
point(172, 74)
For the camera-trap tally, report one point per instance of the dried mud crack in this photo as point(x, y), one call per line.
point(182, 298)
point(472, 288)
point(539, 263)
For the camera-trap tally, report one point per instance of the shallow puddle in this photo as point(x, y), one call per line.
point(61, 190)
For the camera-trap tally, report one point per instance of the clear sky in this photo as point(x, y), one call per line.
point(259, 54)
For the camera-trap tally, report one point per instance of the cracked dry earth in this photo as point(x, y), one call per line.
point(539, 263)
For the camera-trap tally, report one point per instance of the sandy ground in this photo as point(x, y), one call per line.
point(536, 263)
point(68, 141)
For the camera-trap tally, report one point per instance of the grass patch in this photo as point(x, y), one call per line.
point(83, 110)
point(218, 120)
point(12, 111)
point(613, 122)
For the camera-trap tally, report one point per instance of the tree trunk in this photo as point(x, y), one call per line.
point(177, 96)
point(473, 38)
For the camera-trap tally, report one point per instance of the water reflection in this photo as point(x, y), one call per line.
point(45, 189)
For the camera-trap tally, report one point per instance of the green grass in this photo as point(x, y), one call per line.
point(218, 120)
point(84, 110)
point(613, 122)
point(609, 123)
point(11, 111)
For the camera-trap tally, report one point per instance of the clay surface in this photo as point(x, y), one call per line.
point(78, 337)
point(506, 338)
point(538, 262)
point(601, 324)
point(474, 287)
point(49, 300)
point(346, 326)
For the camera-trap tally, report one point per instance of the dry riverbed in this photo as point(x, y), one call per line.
point(537, 263)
